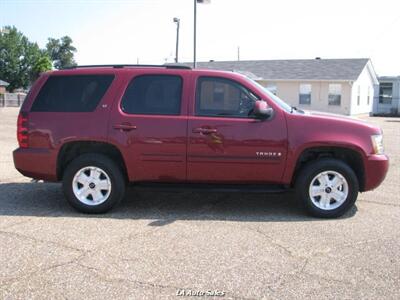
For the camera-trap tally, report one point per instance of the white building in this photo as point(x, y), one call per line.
point(343, 86)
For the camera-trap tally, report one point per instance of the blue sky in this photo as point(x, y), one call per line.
point(123, 31)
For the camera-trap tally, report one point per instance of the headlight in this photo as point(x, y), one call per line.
point(377, 143)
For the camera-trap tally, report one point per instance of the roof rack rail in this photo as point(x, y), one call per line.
point(168, 66)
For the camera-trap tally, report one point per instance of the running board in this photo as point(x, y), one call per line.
point(203, 187)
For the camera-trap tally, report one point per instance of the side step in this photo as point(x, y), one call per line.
point(203, 187)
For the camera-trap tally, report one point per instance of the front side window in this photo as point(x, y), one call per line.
point(72, 93)
point(335, 94)
point(305, 94)
point(153, 95)
point(223, 97)
point(385, 92)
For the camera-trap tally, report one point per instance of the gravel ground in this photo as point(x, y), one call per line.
point(157, 243)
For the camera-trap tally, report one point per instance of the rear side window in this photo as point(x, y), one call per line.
point(77, 93)
point(153, 95)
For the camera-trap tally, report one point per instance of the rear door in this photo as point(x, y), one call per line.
point(226, 143)
point(149, 122)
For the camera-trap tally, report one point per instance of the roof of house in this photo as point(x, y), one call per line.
point(389, 78)
point(3, 83)
point(248, 74)
point(294, 69)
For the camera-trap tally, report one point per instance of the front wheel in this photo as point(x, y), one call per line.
point(93, 183)
point(327, 188)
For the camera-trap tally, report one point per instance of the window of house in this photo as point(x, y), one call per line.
point(385, 92)
point(335, 94)
point(72, 93)
point(223, 97)
point(305, 94)
point(153, 95)
point(368, 96)
point(271, 86)
point(358, 95)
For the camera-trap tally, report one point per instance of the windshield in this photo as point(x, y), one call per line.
point(275, 98)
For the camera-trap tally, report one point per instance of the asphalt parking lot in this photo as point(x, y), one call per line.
point(157, 243)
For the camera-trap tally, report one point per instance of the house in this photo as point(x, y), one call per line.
point(343, 86)
point(388, 100)
point(3, 86)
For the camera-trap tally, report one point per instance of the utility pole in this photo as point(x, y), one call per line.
point(177, 21)
point(238, 52)
point(195, 28)
point(194, 34)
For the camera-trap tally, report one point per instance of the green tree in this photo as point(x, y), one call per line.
point(42, 64)
point(19, 59)
point(61, 52)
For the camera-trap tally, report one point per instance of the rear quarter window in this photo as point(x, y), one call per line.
point(72, 93)
point(153, 95)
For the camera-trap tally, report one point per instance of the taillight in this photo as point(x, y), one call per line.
point(22, 130)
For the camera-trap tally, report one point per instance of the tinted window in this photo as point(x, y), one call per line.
point(223, 97)
point(385, 92)
point(154, 95)
point(305, 94)
point(78, 93)
point(335, 94)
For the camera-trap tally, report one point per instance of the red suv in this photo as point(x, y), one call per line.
point(97, 128)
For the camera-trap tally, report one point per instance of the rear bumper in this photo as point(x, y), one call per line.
point(36, 163)
point(376, 168)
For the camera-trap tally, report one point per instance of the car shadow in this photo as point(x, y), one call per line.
point(159, 207)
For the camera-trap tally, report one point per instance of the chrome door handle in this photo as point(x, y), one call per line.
point(125, 127)
point(204, 130)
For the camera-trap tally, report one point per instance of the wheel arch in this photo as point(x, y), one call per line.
point(73, 149)
point(350, 156)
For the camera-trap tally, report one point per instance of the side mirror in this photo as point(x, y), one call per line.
point(262, 110)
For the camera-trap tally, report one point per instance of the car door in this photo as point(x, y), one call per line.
point(149, 124)
point(226, 144)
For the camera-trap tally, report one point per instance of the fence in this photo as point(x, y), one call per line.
point(12, 99)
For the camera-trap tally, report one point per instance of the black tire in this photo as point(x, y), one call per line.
point(312, 169)
point(111, 169)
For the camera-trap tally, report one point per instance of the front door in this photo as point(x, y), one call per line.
point(150, 125)
point(226, 143)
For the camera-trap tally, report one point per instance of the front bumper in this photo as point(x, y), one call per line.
point(36, 163)
point(376, 168)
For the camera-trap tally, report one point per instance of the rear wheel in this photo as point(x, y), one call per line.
point(93, 183)
point(327, 188)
